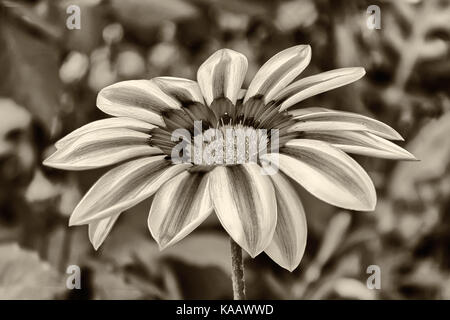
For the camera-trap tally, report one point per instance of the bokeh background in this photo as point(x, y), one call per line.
point(50, 76)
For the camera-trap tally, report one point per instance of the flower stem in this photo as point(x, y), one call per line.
point(237, 271)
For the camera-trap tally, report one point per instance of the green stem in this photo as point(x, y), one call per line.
point(237, 271)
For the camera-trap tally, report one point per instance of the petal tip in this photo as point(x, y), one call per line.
point(47, 162)
point(75, 220)
point(212, 75)
point(161, 246)
point(253, 252)
point(410, 157)
point(397, 136)
point(291, 268)
point(357, 72)
point(306, 48)
point(369, 207)
point(101, 100)
point(72, 223)
point(372, 201)
point(301, 48)
point(53, 163)
point(227, 52)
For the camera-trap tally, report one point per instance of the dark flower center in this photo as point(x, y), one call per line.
point(223, 134)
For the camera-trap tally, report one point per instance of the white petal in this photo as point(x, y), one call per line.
point(109, 123)
point(244, 201)
point(183, 90)
point(99, 230)
point(123, 187)
point(222, 75)
point(137, 99)
point(342, 121)
point(241, 94)
point(328, 173)
point(179, 207)
point(278, 72)
point(101, 148)
point(313, 85)
point(363, 143)
point(296, 113)
point(289, 239)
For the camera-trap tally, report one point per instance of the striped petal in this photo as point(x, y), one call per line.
point(123, 187)
point(101, 148)
point(137, 99)
point(363, 143)
point(244, 201)
point(289, 239)
point(328, 173)
point(99, 230)
point(342, 121)
point(109, 123)
point(278, 72)
point(183, 90)
point(296, 113)
point(222, 75)
point(313, 85)
point(179, 207)
point(241, 94)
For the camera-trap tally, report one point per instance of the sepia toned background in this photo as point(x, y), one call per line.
point(49, 78)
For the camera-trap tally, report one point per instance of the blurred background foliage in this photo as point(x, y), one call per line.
point(50, 78)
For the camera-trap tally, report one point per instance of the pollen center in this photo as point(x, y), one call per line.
point(222, 134)
point(229, 145)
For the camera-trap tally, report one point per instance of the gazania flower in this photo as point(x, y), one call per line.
point(260, 212)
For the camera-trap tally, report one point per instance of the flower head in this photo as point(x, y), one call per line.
point(156, 120)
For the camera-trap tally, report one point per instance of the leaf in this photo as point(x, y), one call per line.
point(29, 72)
point(24, 276)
